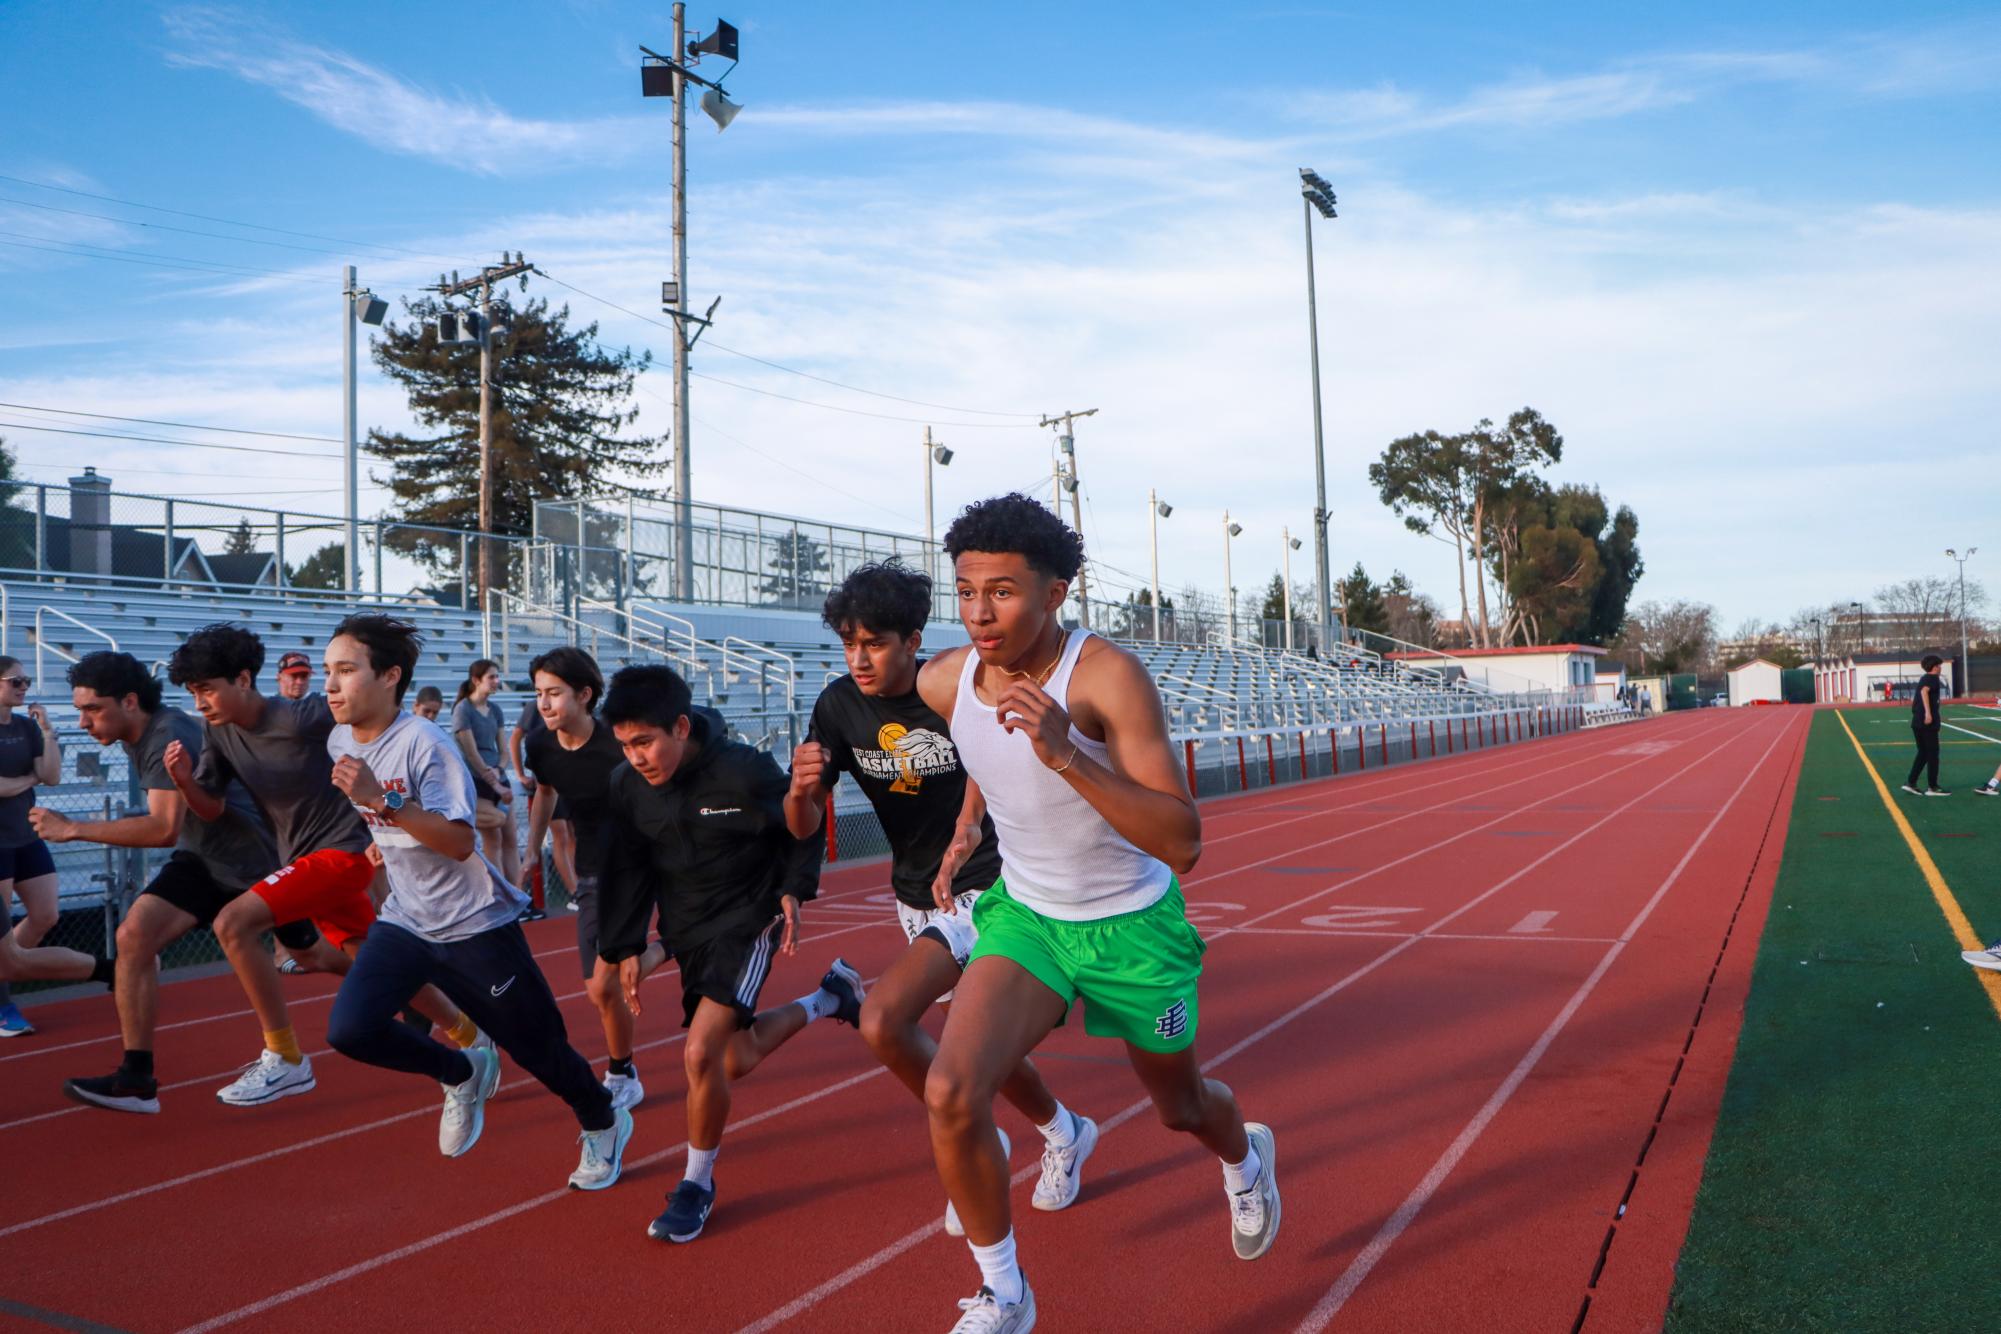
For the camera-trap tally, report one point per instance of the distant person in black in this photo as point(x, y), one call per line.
point(571, 756)
point(1926, 720)
point(873, 726)
point(697, 833)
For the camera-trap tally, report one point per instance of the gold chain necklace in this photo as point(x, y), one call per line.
point(1041, 677)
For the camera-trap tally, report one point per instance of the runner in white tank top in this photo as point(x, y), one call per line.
point(1064, 739)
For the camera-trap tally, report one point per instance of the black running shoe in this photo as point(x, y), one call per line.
point(533, 915)
point(845, 985)
point(119, 1091)
point(687, 1212)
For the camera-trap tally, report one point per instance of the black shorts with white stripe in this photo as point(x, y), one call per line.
point(729, 970)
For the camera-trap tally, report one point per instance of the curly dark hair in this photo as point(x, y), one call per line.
point(1014, 523)
point(114, 676)
point(220, 651)
point(390, 641)
point(887, 597)
point(574, 668)
point(647, 694)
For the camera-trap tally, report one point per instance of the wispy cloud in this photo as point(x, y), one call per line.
point(392, 113)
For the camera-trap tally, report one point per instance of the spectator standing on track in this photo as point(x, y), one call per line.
point(295, 675)
point(450, 920)
point(572, 757)
point(561, 833)
point(29, 754)
point(213, 861)
point(430, 703)
point(1927, 719)
point(477, 723)
point(873, 726)
point(1065, 735)
point(697, 834)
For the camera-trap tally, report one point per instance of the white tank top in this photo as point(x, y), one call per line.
point(1058, 856)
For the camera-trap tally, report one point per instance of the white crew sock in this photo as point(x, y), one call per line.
point(1240, 1177)
point(702, 1167)
point(819, 1004)
point(999, 1271)
point(1061, 1132)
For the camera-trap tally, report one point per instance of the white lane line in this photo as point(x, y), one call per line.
point(1371, 1255)
point(873, 1262)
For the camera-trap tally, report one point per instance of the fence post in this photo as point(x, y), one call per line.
point(41, 529)
point(167, 548)
point(284, 580)
point(1383, 740)
point(465, 571)
point(631, 563)
point(1188, 749)
point(1431, 725)
point(1302, 757)
point(1334, 748)
point(1271, 761)
point(378, 558)
point(1243, 770)
point(1361, 747)
point(833, 832)
point(1413, 738)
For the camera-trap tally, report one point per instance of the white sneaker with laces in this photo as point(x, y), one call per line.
point(984, 1315)
point(465, 1104)
point(1063, 1169)
point(267, 1079)
point(1989, 958)
point(604, 1153)
point(953, 1227)
point(625, 1090)
point(1912, 790)
point(1990, 788)
point(1254, 1213)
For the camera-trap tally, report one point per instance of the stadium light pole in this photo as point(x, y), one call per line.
point(1965, 663)
point(358, 306)
point(1317, 196)
point(665, 76)
point(937, 453)
point(1230, 530)
point(1156, 510)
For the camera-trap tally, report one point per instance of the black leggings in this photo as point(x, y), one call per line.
point(1927, 759)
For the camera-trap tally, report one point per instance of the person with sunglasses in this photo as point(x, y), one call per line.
point(29, 754)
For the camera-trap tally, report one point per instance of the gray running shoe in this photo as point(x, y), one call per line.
point(1254, 1212)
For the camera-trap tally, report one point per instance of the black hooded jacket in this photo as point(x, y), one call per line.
point(708, 850)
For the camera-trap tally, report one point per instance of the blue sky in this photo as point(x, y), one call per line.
point(1746, 263)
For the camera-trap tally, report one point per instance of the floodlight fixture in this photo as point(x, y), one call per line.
point(370, 308)
point(717, 106)
point(1236, 530)
point(1293, 543)
point(1165, 510)
point(1317, 191)
point(1069, 485)
point(942, 454)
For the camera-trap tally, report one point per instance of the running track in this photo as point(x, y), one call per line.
point(1487, 1003)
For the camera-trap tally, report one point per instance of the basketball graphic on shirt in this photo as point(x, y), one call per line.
point(913, 754)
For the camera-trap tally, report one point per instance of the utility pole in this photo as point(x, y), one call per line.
point(1156, 510)
point(1965, 669)
point(351, 577)
point(1230, 530)
point(482, 283)
point(1066, 441)
point(934, 452)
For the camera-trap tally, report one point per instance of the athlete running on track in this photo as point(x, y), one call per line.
point(29, 755)
point(450, 919)
point(1065, 736)
point(873, 726)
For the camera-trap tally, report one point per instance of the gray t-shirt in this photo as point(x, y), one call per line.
point(20, 747)
point(283, 761)
point(429, 894)
point(236, 849)
point(484, 721)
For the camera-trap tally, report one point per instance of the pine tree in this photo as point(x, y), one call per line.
point(241, 541)
point(559, 402)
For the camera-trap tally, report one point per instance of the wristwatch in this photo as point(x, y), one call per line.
point(393, 804)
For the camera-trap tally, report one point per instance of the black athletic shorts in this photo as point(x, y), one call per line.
point(729, 970)
point(26, 862)
point(185, 882)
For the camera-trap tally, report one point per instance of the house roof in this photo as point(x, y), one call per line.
point(1755, 662)
point(1512, 651)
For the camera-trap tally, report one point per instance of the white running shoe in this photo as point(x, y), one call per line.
point(267, 1079)
point(1990, 788)
point(1254, 1212)
point(984, 1315)
point(465, 1104)
point(604, 1153)
point(953, 1227)
point(625, 1090)
point(1063, 1169)
point(1989, 958)
point(1916, 792)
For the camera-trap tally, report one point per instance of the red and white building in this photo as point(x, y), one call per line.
point(1864, 677)
point(1568, 670)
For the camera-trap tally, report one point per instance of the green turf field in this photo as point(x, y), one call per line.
point(1846, 1188)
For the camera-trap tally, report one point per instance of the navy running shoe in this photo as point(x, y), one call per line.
point(687, 1213)
point(844, 984)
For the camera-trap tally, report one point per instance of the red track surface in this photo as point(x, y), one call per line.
point(1462, 1091)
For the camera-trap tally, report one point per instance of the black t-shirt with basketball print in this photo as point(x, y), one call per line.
point(901, 754)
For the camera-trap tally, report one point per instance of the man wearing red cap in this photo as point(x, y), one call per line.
point(295, 675)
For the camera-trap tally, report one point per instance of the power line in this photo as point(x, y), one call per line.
point(790, 370)
point(186, 263)
point(227, 222)
point(189, 445)
point(169, 227)
point(185, 426)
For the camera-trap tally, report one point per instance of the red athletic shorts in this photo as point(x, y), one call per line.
point(330, 886)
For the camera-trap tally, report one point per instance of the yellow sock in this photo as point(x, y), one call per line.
point(285, 1044)
point(464, 1033)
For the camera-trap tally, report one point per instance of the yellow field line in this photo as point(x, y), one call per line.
point(1955, 916)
